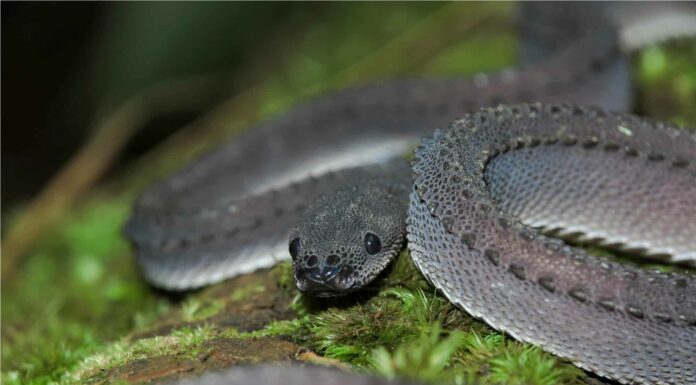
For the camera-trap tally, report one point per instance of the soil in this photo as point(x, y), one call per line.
point(215, 354)
point(260, 300)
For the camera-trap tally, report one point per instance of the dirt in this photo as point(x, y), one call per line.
point(263, 300)
point(246, 303)
point(214, 354)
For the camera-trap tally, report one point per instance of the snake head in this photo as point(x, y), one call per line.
point(344, 240)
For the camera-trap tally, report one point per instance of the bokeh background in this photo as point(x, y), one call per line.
point(100, 99)
point(68, 66)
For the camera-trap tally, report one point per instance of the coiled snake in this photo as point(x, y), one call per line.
point(328, 178)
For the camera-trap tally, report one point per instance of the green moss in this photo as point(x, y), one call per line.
point(405, 329)
point(529, 365)
point(426, 357)
point(247, 292)
point(456, 357)
point(196, 309)
point(183, 342)
point(62, 306)
point(285, 278)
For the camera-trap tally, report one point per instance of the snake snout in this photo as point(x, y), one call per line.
point(322, 274)
point(329, 277)
point(322, 269)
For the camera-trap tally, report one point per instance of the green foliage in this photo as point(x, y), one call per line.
point(528, 365)
point(196, 309)
point(285, 279)
point(456, 357)
point(408, 330)
point(188, 340)
point(247, 291)
point(62, 307)
point(184, 342)
point(382, 47)
point(424, 358)
point(668, 82)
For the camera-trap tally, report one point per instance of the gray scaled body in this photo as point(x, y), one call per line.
point(478, 188)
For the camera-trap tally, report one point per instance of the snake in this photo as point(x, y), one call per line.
point(289, 375)
point(510, 172)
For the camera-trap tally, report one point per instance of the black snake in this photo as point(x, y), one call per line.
point(484, 195)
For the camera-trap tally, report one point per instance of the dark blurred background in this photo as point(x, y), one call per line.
point(66, 65)
point(69, 66)
point(103, 98)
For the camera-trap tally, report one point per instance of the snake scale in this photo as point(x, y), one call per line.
point(482, 204)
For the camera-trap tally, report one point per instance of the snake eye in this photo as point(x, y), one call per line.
point(372, 243)
point(294, 248)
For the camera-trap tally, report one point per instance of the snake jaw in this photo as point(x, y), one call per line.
point(336, 285)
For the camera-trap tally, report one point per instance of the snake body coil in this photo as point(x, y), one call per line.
point(487, 196)
point(620, 322)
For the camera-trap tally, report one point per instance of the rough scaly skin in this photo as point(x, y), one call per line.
point(618, 321)
point(336, 225)
point(231, 211)
point(641, 200)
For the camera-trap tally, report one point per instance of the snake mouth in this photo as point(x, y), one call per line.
point(327, 282)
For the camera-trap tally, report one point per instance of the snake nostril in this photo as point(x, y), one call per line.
point(311, 261)
point(329, 272)
point(314, 274)
point(332, 260)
